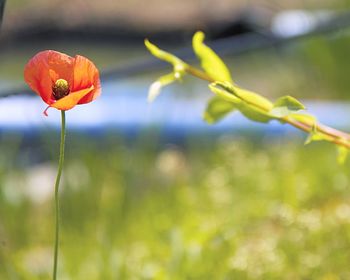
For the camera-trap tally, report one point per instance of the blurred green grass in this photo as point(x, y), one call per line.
point(225, 208)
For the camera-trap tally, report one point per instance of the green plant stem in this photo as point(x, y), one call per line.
point(335, 136)
point(57, 184)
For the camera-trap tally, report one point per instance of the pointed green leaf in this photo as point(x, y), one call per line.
point(315, 135)
point(304, 118)
point(254, 99)
point(285, 106)
point(290, 102)
point(221, 90)
point(179, 65)
point(249, 97)
point(178, 72)
point(254, 114)
point(210, 61)
point(155, 88)
point(234, 94)
point(217, 108)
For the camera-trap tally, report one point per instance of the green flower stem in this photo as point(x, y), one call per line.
point(57, 184)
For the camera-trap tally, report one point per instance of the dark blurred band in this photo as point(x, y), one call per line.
point(2, 8)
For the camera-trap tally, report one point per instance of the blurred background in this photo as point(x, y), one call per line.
point(150, 191)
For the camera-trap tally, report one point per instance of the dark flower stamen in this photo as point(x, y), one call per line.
point(60, 89)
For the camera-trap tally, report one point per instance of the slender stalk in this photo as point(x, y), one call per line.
point(57, 184)
point(335, 136)
point(199, 73)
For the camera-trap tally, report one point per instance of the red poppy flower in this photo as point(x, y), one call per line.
point(62, 81)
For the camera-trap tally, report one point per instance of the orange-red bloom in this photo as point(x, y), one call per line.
point(62, 81)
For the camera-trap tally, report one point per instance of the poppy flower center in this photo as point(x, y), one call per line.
point(60, 89)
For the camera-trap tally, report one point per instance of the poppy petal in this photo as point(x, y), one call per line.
point(36, 75)
point(47, 67)
point(61, 66)
point(72, 99)
point(85, 75)
point(44, 69)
